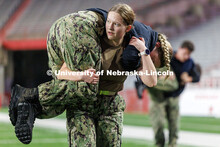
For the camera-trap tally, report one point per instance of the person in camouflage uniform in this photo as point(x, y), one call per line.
point(165, 96)
point(99, 123)
point(94, 114)
point(162, 107)
point(92, 119)
point(73, 40)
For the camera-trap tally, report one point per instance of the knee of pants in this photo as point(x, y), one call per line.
point(81, 130)
point(157, 114)
point(109, 130)
point(51, 111)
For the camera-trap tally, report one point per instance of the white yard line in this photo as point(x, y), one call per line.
point(145, 133)
point(42, 140)
point(185, 137)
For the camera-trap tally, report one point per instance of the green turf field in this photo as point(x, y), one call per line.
point(51, 138)
point(42, 137)
point(197, 124)
point(54, 138)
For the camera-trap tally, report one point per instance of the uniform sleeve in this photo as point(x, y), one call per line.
point(167, 85)
point(170, 84)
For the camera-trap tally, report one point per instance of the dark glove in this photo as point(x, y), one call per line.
point(139, 88)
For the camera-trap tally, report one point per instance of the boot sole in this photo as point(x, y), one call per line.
point(12, 110)
point(22, 129)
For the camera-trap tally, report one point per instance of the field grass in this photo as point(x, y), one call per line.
point(42, 137)
point(197, 124)
point(53, 138)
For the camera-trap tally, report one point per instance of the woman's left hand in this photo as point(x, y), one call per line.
point(139, 43)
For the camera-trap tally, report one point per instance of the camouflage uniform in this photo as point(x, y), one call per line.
point(161, 108)
point(97, 124)
point(92, 119)
point(73, 39)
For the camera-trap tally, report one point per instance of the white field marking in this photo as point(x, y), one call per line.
point(59, 124)
point(43, 140)
point(210, 126)
point(185, 137)
point(146, 133)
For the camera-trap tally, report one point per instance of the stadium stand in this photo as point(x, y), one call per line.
point(7, 8)
point(205, 38)
point(40, 15)
point(170, 17)
point(195, 20)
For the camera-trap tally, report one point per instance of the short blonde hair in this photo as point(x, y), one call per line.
point(125, 11)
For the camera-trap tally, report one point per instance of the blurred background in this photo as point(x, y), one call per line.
point(24, 25)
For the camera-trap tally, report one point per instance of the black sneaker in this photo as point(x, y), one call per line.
point(25, 122)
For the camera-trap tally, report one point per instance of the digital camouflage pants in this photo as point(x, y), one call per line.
point(164, 108)
point(98, 124)
point(160, 111)
point(91, 120)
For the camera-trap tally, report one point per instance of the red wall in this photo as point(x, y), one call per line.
point(133, 103)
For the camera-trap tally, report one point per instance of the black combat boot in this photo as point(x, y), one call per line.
point(23, 109)
point(16, 94)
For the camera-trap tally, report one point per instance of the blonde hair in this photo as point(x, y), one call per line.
point(125, 11)
point(167, 51)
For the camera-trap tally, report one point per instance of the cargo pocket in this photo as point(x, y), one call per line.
point(119, 104)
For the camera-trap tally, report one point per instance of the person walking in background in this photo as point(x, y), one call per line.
point(164, 104)
point(165, 99)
